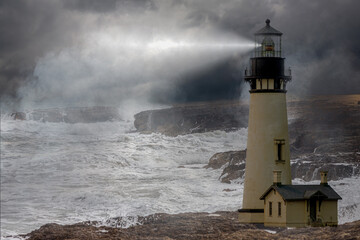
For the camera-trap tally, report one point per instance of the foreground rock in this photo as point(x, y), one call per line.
point(191, 226)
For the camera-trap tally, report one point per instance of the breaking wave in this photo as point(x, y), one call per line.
point(66, 173)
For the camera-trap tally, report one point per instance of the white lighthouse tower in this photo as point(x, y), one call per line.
point(268, 139)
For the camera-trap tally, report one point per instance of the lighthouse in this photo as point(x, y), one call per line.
point(268, 139)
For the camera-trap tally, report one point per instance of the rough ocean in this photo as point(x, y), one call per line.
point(66, 173)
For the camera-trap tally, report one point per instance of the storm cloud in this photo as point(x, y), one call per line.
point(81, 52)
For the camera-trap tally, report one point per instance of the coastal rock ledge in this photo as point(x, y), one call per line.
point(191, 226)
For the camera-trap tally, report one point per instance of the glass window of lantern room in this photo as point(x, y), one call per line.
point(264, 84)
point(271, 83)
point(268, 47)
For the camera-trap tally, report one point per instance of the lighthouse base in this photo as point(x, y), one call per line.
point(251, 215)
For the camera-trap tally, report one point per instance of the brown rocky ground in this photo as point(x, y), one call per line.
point(191, 226)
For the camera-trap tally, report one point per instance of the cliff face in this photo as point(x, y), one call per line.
point(306, 167)
point(191, 226)
point(193, 118)
point(324, 133)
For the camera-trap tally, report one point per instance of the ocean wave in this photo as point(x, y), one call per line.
point(67, 173)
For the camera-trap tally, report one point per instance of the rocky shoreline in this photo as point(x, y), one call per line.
point(190, 226)
point(324, 133)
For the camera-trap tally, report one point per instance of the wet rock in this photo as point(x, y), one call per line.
point(339, 166)
point(324, 136)
point(233, 163)
point(303, 143)
point(220, 159)
point(232, 172)
point(18, 116)
point(307, 167)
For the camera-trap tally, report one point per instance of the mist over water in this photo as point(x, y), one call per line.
point(113, 65)
point(66, 173)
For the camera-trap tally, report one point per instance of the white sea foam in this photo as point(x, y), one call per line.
point(66, 173)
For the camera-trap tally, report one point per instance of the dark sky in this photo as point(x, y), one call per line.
point(81, 52)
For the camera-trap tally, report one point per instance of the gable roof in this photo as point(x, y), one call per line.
point(268, 30)
point(302, 192)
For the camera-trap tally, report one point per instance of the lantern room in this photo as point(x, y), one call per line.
point(268, 41)
point(267, 66)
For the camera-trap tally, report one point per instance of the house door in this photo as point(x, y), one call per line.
point(313, 210)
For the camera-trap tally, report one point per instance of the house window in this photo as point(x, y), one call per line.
point(279, 149)
point(279, 209)
point(270, 209)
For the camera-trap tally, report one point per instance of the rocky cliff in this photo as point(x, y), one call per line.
point(193, 118)
point(325, 135)
point(338, 112)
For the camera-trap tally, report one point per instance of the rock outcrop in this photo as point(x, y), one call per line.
point(191, 226)
point(307, 167)
point(193, 118)
point(325, 135)
point(321, 112)
point(233, 163)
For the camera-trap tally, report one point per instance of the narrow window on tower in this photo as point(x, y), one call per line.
point(279, 157)
point(264, 84)
point(270, 209)
point(279, 209)
point(279, 150)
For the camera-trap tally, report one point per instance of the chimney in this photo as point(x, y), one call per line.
point(277, 177)
point(323, 175)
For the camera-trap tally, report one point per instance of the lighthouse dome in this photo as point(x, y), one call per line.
point(268, 30)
